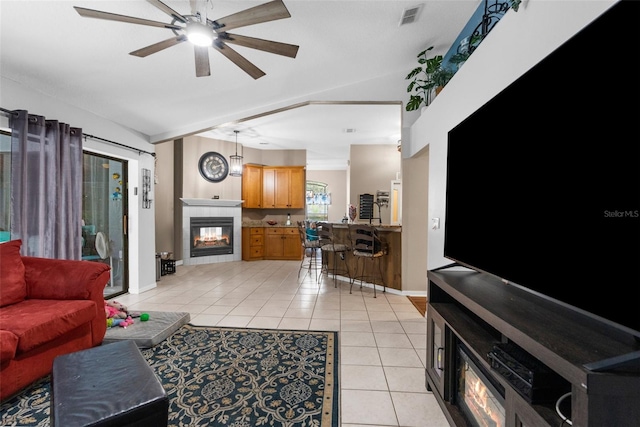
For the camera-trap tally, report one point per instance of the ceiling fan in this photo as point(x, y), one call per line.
point(203, 32)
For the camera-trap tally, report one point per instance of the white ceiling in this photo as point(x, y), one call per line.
point(349, 72)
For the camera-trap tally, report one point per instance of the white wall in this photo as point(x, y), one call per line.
point(372, 168)
point(194, 185)
point(519, 41)
point(142, 270)
point(415, 179)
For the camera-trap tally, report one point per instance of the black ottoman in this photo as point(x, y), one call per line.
point(109, 385)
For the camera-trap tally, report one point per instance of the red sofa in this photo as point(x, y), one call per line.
point(48, 307)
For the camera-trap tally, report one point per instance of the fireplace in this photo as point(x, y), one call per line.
point(211, 236)
point(481, 401)
point(206, 209)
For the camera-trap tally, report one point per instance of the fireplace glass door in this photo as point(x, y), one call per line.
point(211, 236)
point(477, 397)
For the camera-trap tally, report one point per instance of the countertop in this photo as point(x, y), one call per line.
point(387, 227)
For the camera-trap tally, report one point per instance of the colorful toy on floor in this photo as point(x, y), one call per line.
point(144, 317)
point(117, 314)
point(123, 323)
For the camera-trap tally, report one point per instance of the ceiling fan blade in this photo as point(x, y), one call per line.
point(166, 9)
point(157, 47)
point(239, 60)
point(263, 13)
point(90, 13)
point(203, 68)
point(278, 48)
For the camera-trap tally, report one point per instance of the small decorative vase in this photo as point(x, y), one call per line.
point(352, 213)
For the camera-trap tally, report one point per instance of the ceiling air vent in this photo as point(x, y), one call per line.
point(410, 15)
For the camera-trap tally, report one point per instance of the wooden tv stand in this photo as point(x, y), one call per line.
point(479, 310)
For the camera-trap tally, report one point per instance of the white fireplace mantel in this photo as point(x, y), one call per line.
point(212, 202)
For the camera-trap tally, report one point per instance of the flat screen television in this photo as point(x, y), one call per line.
point(543, 181)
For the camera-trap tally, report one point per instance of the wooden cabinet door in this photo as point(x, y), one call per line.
point(292, 247)
point(252, 186)
point(282, 188)
point(282, 243)
point(268, 188)
point(273, 243)
point(297, 187)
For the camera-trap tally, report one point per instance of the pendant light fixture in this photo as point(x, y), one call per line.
point(235, 161)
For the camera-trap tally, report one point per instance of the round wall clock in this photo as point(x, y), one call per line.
point(213, 166)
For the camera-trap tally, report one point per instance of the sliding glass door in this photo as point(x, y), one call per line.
point(104, 217)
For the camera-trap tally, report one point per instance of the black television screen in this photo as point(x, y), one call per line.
point(543, 182)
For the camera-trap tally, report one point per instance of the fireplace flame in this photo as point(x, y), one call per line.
point(481, 401)
point(211, 236)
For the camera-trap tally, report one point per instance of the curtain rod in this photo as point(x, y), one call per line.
point(86, 135)
point(8, 112)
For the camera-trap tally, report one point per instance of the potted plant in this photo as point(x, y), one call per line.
point(422, 83)
point(441, 77)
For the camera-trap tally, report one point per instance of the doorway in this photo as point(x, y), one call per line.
point(104, 218)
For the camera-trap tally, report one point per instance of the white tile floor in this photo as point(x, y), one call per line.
point(382, 340)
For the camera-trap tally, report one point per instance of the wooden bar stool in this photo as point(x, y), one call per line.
point(311, 244)
point(367, 248)
point(331, 247)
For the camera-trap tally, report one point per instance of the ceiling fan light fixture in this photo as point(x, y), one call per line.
point(203, 33)
point(199, 34)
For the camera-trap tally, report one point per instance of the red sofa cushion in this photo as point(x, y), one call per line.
point(8, 345)
point(13, 286)
point(37, 322)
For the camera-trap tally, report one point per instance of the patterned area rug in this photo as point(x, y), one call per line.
point(232, 377)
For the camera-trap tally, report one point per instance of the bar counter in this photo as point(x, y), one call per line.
point(391, 263)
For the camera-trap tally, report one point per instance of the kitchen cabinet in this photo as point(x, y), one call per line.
point(252, 243)
point(282, 243)
point(252, 186)
point(283, 187)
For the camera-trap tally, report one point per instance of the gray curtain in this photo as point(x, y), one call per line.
point(46, 186)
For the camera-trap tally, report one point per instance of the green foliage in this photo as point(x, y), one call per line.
point(442, 76)
point(422, 83)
